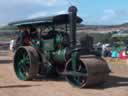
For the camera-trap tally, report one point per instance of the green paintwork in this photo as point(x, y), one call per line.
point(76, 80)
point(21, 64)
point(51, 69)
point(48, 45)
point(35, 43)
point(75, 63)
point(74, 60)
point(58, 39)
point(59, 55)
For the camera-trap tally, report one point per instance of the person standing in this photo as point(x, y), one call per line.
point(23, 38)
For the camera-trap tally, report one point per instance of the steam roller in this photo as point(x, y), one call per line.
point(56, 52)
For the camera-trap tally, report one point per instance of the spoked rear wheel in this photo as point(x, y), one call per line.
point(26, 63)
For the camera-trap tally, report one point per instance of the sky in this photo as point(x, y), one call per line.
point(93, 12)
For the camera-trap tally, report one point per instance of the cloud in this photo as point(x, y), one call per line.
point(108, 14)
point(38, 14)
point(43, 13)
point(61, 12)
point(114, 16)
point(13, 10)
point(51, 2)
point(39, 2)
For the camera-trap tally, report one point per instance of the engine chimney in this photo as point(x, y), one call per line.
point(72, 18)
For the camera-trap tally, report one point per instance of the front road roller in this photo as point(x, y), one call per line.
point(88, 71)
point(26, 63)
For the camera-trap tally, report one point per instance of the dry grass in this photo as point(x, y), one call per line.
point(116, 60)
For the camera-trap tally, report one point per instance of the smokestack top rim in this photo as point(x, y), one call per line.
point(73, 9)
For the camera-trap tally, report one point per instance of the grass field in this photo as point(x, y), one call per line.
point(116, 61)
point(6, 38)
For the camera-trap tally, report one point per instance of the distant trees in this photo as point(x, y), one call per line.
point(87, 41)
point(97, 37)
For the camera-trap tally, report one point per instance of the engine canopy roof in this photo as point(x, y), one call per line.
point(49, 20)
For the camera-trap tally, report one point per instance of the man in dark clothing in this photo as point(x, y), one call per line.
point(34, 38)
point(23, 38)
point(33, 33)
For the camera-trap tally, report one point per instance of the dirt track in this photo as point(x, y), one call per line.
point(116, 85)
